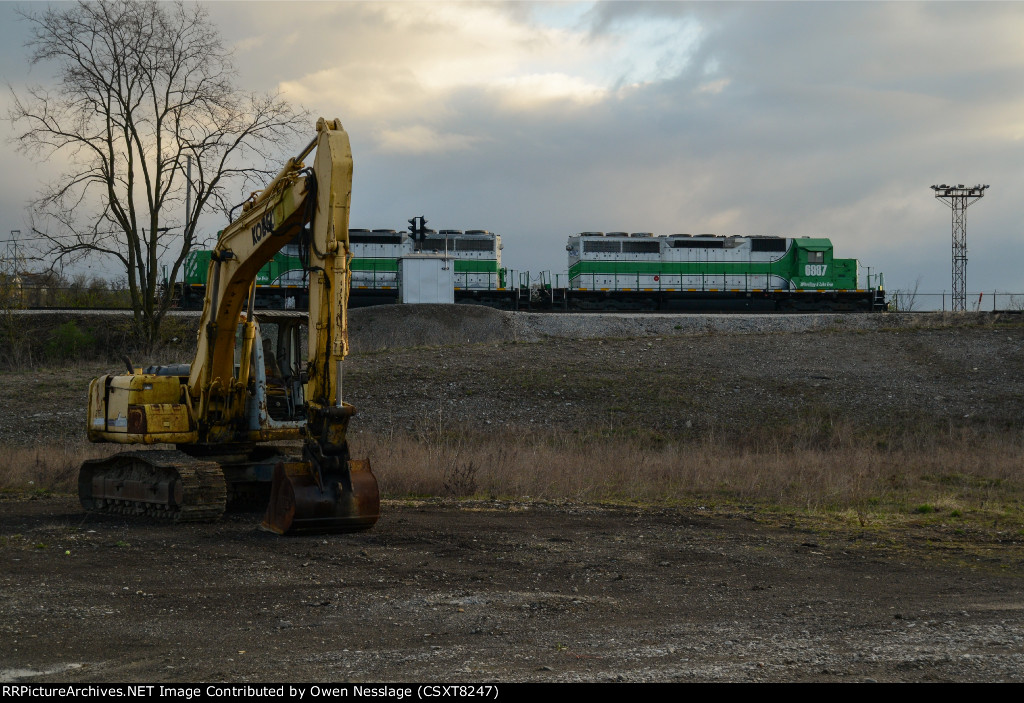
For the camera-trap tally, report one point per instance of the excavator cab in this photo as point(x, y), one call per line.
point(278, 374)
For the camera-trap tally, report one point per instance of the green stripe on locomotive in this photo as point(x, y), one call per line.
point(461, 265)
point(197, 265)
point(476, 266)
point(378, 265)
point(807, 264)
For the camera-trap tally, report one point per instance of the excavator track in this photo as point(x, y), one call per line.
point(165, 485)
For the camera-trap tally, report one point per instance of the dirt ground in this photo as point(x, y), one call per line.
point(444, 590)
point(502, 592)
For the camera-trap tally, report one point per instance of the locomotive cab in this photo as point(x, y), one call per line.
point(812, 263)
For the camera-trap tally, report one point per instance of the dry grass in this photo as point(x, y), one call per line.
point(46, 468)
point(951, 475)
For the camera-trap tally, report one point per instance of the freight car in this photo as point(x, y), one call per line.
point(613, 271)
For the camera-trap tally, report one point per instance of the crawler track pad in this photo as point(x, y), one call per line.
point(345, 503)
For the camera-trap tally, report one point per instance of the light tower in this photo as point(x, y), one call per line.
point(959, 199)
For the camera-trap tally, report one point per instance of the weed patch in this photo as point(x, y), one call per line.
point(846, 475)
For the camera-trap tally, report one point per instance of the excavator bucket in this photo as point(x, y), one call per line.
point(299, 502)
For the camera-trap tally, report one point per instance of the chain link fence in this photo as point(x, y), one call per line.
point(979, 301)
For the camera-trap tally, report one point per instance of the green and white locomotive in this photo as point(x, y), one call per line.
point(613, 271)
point(282, 283)
point(639, 271)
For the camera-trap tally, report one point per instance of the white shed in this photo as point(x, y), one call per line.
point(426, 278)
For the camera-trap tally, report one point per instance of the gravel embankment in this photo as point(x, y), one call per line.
point(679, 374)
point(397, 326)
point(400, 326)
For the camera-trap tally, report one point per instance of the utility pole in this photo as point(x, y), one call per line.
point(11, 253)
point(959, 198)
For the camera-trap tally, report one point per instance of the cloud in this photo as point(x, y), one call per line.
point(420, 139)
point(541, 119)
point(713, 87)
point(526, 92)
point(384, 59)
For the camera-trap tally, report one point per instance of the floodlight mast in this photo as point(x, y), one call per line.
point(959, 198)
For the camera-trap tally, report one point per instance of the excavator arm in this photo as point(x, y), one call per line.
point(325, 490)
point(269, 220)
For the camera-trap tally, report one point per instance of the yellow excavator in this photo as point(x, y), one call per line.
point(259, 414)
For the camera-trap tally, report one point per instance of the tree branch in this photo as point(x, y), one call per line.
point(142, 88)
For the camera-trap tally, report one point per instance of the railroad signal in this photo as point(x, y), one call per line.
point(418, 229)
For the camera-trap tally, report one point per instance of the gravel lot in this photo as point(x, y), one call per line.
point(502, 592)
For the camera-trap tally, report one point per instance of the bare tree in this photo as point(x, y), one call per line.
point(906, 299)
point(146, 90)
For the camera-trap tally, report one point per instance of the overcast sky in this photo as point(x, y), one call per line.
point(538, 120)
